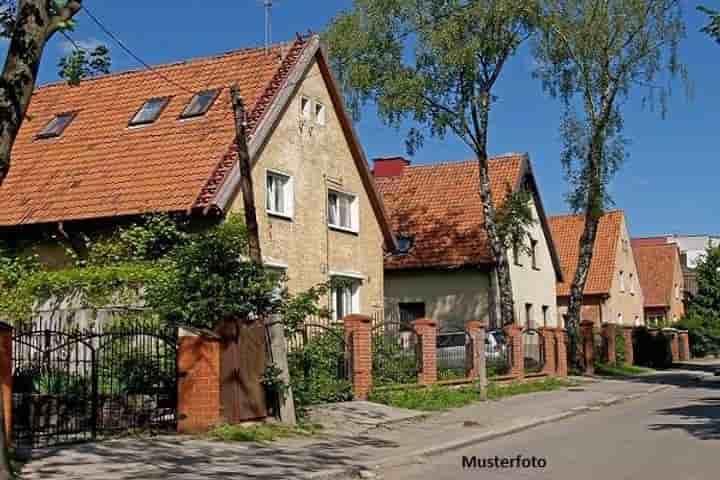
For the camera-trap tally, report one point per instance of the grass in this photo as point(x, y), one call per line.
point(261, 433)
point(438, 398)
point(621, 370)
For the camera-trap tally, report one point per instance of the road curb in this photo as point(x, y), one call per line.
point(356, 470)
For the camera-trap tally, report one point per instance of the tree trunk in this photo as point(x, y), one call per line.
point(246, 183)
point(34, 25)
point(497, 246)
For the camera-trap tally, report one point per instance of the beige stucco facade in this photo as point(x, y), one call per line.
point(453, 297)
point(317, 158)
point(623, 303)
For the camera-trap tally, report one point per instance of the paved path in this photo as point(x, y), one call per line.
point(184, 459)
point(673, 434)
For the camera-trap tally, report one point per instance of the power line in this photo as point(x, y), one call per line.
point(127, 50)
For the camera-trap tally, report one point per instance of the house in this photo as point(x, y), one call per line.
point(661, 279)
point(102, 153)
point(613, 293)
point(444, 269)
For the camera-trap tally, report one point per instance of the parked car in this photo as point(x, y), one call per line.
point(451, 348)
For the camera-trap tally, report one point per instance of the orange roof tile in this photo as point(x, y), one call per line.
point(656, 267)
point(566, 232)
point(439, 205)
point(100, 167)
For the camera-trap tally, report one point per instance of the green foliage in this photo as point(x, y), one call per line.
point(392, 362)
point(317, 371)
point(703, 333)
point(82, 63)
point(592, 55)
point(652, 350)
point(620, 370)
point(514, 219)
point(712, 28)
point(433, 62)
point(263, 433)
point(620, 354)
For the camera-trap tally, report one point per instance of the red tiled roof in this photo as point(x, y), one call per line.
point(101, 168)
point(648, 241)
point(439, 205)
point(566, 232)
point(656, 265)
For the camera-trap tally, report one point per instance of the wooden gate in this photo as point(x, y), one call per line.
point(242, 364)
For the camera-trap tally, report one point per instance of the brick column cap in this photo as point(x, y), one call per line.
point(187, 331)
point(668, 329)
point(683, 332)
point(628, 327)
point(425, 322)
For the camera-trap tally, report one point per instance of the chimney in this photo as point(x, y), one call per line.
point(389, 166)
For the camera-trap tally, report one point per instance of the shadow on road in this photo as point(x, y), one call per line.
point(701, 419)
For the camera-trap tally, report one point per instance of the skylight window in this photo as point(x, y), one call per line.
point(200, 104)
point(150, 111)
point(57, 125)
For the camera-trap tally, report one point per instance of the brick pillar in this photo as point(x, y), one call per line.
point(514, 341)
point(587, 344)
point(6, 332)
point(472, 328)
point(548, 335)
point(358, 339)
point(560, 340)
point(685, 341)
point(427, 331)
point(608, 333)
point(674, 344)
point(198, 363)
point(629, 352)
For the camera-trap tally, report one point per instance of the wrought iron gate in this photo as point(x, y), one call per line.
point(396, 354)
point(78, 385)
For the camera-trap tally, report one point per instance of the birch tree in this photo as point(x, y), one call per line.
point(712, 28)
point(436, 63)
point(594, 55)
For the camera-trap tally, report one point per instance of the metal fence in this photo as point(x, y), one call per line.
point(452, 352)
point(396, 354)
point(533, 350)
point(498, 353)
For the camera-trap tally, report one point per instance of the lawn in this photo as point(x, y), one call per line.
point(260, 433)
point(437, 398)
point(621, 370)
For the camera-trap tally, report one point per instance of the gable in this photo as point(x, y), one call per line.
point(658, 267)
point(567, 231)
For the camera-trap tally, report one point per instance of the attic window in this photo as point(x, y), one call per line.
point(150, 111)
point(404, 244)
point(200, 104)
point(56, 126)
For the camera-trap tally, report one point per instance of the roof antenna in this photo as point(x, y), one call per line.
point(268, 4)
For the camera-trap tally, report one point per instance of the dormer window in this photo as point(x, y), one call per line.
point(56, 126)
point(150, 111)
point(405, 243)
point(200, 104)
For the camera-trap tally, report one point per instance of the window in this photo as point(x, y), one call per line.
point(319, 113)
point(619, 318)
point(405, 243)
point(306, 108)
point(200, 104)
point(533, 253)
point(622, 281)
point(150, 111)
point(346, 299)
point(409, 312)
point(516, 254)
point(529, 315)
point(279, 194)
point(57, 125)
point(632, 284)
point(343, 211)
point(545, 310)
point(637, 320)
point(677, 291)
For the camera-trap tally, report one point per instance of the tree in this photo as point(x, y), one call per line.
point(712, 28)
point(436, 62)
point(29, 24)
point(592, 54)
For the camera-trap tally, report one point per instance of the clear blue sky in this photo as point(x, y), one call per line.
point(668, 185)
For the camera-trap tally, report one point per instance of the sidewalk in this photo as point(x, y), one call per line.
point(331, 456)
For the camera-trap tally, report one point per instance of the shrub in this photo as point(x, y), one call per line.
point(620, 354)
point(652, 350)
point(703, 332)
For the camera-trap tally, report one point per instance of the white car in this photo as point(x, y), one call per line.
point(451, 348)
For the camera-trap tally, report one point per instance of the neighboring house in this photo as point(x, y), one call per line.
point(661, 278)
point(444, 268)
point(692, 248)
point(612, 292)
point(102, 153)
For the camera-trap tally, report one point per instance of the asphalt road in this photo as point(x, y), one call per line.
point(673, 434)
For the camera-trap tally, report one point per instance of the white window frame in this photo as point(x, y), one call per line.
point(354, 212)
point(622, 281)
point(288, 194)
point(632, 284)
point(320, 113)
point(354, 290)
